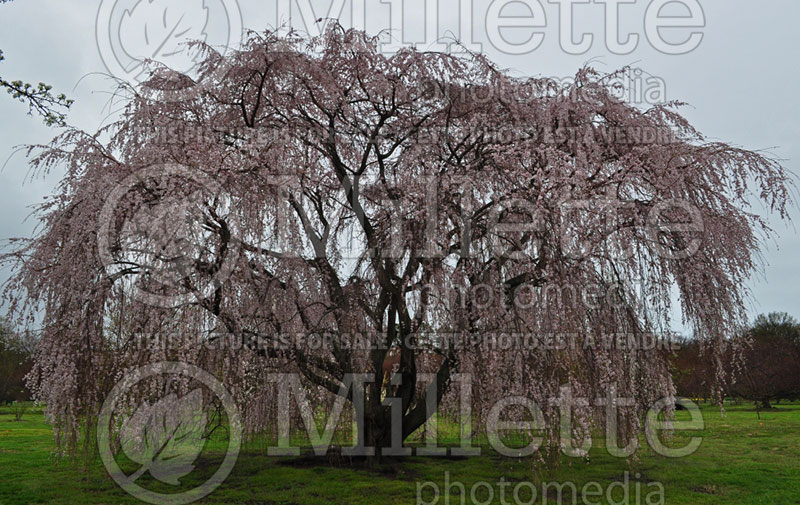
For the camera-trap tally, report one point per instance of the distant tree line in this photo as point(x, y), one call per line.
point(769, 371)
point(16, 360)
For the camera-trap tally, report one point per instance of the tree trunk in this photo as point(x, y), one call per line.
point(377, 427)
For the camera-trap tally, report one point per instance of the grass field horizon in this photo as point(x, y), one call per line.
point(745, 457)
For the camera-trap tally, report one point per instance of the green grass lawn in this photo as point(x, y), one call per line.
point(743, 459)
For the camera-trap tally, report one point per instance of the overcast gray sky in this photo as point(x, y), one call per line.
point(741, 76)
